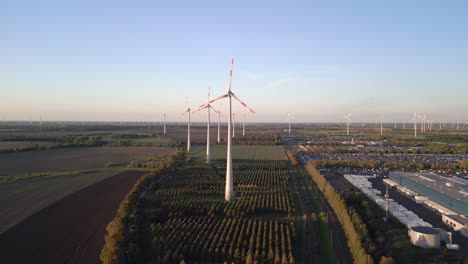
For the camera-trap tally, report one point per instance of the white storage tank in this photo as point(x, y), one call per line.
point(425, 237)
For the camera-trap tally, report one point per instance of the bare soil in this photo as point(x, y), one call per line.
point(70, 230)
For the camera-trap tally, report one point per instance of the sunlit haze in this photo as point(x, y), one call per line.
point(135, 60)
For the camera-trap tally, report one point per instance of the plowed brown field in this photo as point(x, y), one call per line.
point(70, 230)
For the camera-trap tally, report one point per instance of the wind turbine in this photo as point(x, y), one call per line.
point(188, 125)
point(208, 107)
point(219, 121)
point(289, 123)
point(381, 118)
point(234, 125)
point(423, 123)
point(243, 123)
point(164, 123)
point(415, 119)
point(348, 121)
point(229, 195)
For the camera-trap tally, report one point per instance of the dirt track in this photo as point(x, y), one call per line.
point(72, 229)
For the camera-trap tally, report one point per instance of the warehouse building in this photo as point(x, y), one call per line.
point(456, 222)
point(451, 193)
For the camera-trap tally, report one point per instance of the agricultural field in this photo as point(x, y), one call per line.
point(184, 215)
point(142, 142)
point(21, 145)
point(70, 159)
point(33, 195)
point(241, 152)
point(70, 230)
point(47, 133)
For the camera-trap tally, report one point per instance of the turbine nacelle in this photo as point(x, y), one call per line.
point(348, 117)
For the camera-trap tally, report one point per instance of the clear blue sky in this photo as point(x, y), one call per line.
point(134, 60)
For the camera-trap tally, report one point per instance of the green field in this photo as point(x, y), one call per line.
point(241, 152)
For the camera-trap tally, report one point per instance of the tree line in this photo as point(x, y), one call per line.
point(121, 239)
point(395, 165)
point(339, 206)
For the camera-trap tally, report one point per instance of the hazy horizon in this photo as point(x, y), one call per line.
point(119, 61)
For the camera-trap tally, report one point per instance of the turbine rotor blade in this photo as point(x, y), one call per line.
point(218, 98)
point(230, 76)
point(242, 103)
point(204, 105)
point(216, 111)
point(199, 109)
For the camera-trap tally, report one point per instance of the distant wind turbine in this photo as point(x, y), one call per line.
point(423, 123)
point(219, 121)
point(229, 194)
point(348, 121)
point(234, 125)
point(381, 118)
point(208, 107)
point(415, 119)
point(188, 125)
point(164, 123)
point(289, 123)
point(243, 123)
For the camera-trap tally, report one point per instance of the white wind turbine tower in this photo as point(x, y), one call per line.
point(234, 125)
point(423, 123)
point(188, 124)
point(289, 123)
point(219, 121)
point(164, 123)
point(415, 119)
point(229, 195)
point(208, 124)
point(348, 121)
point(243, 123)
point(381, 118)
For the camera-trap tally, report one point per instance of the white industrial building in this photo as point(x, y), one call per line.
point(405, 216)
point(420, 232)
point(458, 223)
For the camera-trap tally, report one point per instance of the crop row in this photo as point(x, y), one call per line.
point(244, 205)
point(227, 239)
